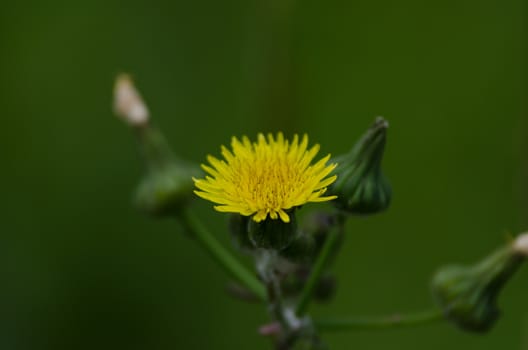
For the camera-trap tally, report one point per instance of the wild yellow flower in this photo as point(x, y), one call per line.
point(269, 176)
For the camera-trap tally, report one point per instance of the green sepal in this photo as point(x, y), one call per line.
point(272, 233)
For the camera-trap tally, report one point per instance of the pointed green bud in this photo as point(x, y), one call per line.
point(272, 233)
point(468, 294)
point(361, 187)
point(167, 185)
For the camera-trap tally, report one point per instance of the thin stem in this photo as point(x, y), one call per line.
point(222, 256)
point(383, 322)
point(317, 270)
point(275, 301)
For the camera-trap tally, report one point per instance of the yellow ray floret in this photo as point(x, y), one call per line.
point(267, 177)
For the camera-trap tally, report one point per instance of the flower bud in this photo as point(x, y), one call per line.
point(166, 191)
point(167, 185)
point(361, 187)
point(468, 294)
point(272, 233)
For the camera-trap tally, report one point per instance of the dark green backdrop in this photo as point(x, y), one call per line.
point(81, 269)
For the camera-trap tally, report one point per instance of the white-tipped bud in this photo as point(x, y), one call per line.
point(521, 244)
point(128, 104)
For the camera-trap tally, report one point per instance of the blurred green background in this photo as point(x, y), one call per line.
point(81, 269)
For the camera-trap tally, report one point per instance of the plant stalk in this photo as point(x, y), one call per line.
point(317, 270)
point(383, 322)
point(221, 255)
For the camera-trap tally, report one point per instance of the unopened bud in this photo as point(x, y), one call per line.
point(468, 294)
point(361, 187)
point(167, 185)
point(166, 191)
point(128, 104)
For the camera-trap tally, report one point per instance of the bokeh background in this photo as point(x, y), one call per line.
point(81, 269)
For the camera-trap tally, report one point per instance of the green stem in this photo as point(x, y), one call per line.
point(275, 302)
point(317, 270)
point(222, 256)
point(384, 322)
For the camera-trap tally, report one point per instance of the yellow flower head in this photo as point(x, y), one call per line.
point(265, 177)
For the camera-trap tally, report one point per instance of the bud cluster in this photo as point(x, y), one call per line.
point(293, 256)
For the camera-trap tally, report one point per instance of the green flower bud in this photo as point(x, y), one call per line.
point(361, 187)
point(167, 185)
point(272, 233)
point(165, 192)
point(468, 294)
